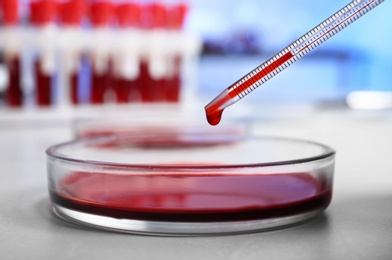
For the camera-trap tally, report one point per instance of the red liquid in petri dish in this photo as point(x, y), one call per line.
point(14, 95)
point(192, 197)
point(43, 86)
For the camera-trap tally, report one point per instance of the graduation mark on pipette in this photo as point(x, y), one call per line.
point(288, 56)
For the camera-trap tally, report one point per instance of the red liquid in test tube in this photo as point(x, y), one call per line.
point(42, 14)
point(43, 82)
point(144, 82)
point(101, 80)
point(14, 94)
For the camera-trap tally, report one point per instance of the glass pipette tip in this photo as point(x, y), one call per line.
point(295, 51)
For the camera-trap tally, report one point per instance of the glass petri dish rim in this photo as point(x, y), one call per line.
point(327, 152)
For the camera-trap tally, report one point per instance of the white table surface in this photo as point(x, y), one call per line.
point(357, 224)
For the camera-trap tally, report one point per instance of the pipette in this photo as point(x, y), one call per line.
point(288, 56)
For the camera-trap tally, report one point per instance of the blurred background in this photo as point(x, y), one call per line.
point(77, 53)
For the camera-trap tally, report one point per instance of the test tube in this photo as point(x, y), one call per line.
point(12, 52)
point(153, 71)
point(176, 18)
point(71, 14)
point(128, 53)
point(100, 49)
point(42, 16)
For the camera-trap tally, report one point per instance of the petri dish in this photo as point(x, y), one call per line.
point(189, 183)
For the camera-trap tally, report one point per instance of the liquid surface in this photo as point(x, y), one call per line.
point(192, 197)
